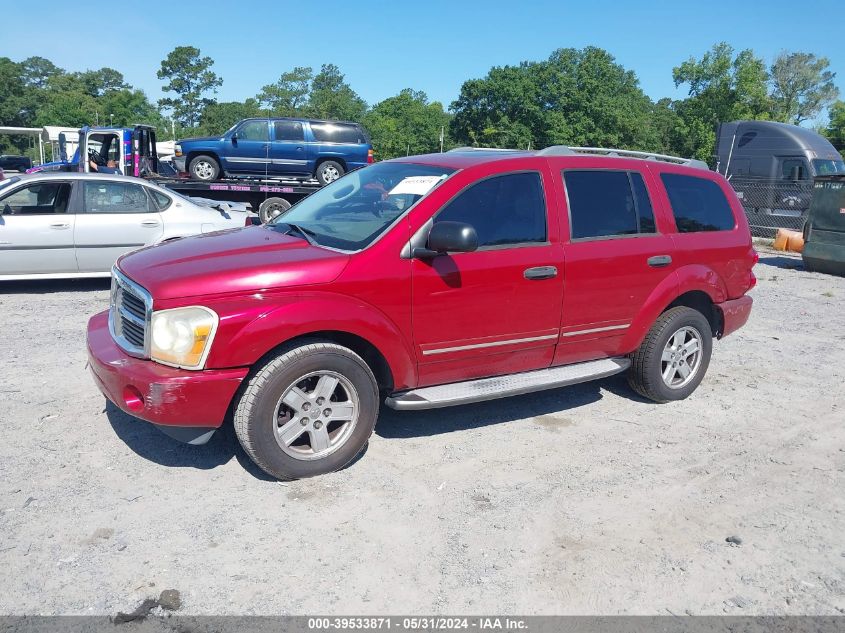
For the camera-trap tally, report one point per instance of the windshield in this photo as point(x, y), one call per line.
point(352, 212)
point(829, 167)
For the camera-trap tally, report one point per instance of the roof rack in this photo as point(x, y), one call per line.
point(482, 149)
point(565, 150)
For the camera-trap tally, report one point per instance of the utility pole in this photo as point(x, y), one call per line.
point(442, 130)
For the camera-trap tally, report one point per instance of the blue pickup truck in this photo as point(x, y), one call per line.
point(271, 147)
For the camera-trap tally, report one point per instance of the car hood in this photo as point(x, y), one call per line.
point(237, 260)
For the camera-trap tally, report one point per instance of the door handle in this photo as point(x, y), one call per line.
point(60, 225)
point(150, 223)
point(659, 261)
point(540, 272)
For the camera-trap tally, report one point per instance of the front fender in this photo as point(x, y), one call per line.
point(685, 279)
point(246, 335)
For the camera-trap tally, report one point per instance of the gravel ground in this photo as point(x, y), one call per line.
point(586, 500)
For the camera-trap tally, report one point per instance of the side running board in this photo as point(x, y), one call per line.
point(504, 386)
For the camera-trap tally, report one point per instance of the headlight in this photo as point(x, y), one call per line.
point(182, 337)
point(177, 149)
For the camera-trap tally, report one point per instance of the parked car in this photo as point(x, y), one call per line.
point(303, 148)
point(824, 231)
point(428, 281)
point(15, 163)
point(58, 225)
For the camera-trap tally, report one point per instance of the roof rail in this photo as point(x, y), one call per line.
point(564, 150)
point(482, 149)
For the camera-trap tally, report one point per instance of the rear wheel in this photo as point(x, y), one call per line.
point(307, 412)
point(673, 358)
point(204, 167)
point(272, 208)
point(329, 171)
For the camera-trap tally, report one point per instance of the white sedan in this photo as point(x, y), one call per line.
point(60, 225)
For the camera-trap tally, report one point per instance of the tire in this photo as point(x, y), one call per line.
point(328, 171)
point(204, 167)
point(264, 421)
point(648, 366)
point(272, 208)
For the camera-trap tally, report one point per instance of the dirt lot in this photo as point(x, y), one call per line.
point(575, 501)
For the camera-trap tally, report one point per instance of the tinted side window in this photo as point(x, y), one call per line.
point(698, 204)
point(337, 133)
point(601, 203)
point(509, 209)
point(254, 131)
point(289, 131)
point(46, 197)
point(643, 202)
point(115, 197)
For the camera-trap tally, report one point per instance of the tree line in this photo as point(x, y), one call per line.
point(575, 97)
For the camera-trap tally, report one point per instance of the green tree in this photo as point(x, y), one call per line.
point(576, 97)
point(722, 87)
point(332, 98)
point(802, 86)
point(127, 107)
point(219, 117)
point(69, 109)
point(406, 123)
point(289, 95)
point(36, 72)
point(835, 131)
point(190, 77)
point(100, 82)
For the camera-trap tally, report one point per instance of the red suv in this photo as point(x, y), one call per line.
point(429, 281)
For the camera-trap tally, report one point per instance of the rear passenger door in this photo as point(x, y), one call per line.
point(115, 217)
point(36, 229)
point(287, 150)
point(617, 254)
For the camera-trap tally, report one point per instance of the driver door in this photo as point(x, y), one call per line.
point(249, 148)
point(36, 229)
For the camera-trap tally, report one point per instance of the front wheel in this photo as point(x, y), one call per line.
point(204, 168)
point(329, 171)
point(673, 358)
point(308, 411)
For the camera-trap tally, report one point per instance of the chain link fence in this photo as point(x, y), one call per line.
point(773, 204)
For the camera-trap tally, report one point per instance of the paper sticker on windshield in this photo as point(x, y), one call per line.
point(416, 185)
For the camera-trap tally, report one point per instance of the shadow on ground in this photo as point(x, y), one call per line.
point(148, 442)
point(783, 261)
point(50, 286)
point(151, 444)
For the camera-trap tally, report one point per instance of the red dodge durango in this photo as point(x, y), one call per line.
point(424, 282)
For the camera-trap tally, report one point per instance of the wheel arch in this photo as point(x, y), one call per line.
point(366, 331)
point(696, 286)
point(193, 153)
point(337, 159)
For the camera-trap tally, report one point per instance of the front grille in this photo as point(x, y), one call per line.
point(129, 315)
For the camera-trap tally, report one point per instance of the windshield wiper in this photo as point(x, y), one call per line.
point(306, 234)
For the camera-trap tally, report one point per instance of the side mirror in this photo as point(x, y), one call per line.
point(235, 138)
point(448, 237)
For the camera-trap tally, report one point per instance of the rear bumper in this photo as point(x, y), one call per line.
point(735, 313)
point(189, 403)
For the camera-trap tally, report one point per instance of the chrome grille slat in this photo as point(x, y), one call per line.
point(129, 315)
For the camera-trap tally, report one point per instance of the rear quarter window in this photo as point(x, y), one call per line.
point(338, 133)
point(698, 204)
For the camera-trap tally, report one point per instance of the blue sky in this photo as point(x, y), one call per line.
point(430, 45)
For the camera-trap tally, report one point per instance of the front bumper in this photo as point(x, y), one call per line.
point(187, 405)
point(735, 313)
